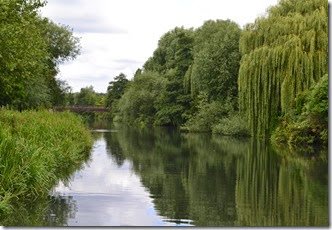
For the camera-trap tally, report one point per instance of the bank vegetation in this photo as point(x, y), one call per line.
point(37, 149)
point(269, 78)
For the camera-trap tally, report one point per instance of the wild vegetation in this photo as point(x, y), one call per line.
point(36, 150)
point(310, 123)
point(268, 79)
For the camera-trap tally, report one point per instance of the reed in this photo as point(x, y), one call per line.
point(37, 149)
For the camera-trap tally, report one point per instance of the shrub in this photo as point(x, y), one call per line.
point(208, 114)
point(311, 126)
point(234, 125)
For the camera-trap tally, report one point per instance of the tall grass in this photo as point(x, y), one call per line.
point(37, 148)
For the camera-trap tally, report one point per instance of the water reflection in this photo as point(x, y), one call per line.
point(274, 190)
point(108, 193)
point(162, 177)
point(218, 181)
point(50, 211)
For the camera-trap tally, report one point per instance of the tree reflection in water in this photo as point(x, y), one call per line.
point(221, 181)
point(206, 180)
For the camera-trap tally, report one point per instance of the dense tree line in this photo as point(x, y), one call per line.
point(189, 71)
point(31, 49)
point(86, 97)
point(269, 78)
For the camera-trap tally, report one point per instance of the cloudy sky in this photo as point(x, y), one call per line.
point(119, 36)
point(106, 194)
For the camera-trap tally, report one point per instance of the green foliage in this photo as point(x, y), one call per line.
point(206, 59)
point(100, 100)
point(61, 44)
point(137, 105)
point(36, 149)
point(115, 91)
point(59, 89)
point(311, 126)
point(171, 60)
point(318, 99)
point(173, 52)
point(284, 55)
point(22, 49)
point(294, 133)
point(173, 102)
point(86, 97)
point(216, 60)
point(116, 88)
point(212, 78)
point(207, 115)
point(233, 125)
point(31, 48)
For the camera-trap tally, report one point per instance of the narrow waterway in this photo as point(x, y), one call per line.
point(161, 177)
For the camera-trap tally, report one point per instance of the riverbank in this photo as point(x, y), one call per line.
point(37, 148)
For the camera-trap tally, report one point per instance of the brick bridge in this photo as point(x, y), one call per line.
point(80, 109)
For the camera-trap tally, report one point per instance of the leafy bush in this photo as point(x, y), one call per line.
point(317, 102)
point(293, 133)
point(311, 126)
point(208, 114)
point(233, 125)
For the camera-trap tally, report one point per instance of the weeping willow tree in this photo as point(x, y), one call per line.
point(284, 54)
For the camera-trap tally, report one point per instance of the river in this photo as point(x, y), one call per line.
point(161, 177)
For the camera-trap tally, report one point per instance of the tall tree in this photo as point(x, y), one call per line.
point(216, 60)
point(116, 89)
point(138, 103)
point(212, 77)
point(172, 59)
point(62, 46)
point(31, 49)
point(86, 97)
point(284, 54)
point(22, 49)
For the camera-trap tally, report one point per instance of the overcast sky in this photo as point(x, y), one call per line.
point(120, 35)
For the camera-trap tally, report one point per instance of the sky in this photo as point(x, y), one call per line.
point(107, 194)
point(119, 36)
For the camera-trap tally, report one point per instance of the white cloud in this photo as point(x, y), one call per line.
point(119, 36)
point(108, 195)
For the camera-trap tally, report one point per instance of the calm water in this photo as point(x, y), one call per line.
point(161, 177)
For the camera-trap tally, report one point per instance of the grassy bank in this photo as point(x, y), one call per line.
point(36, 150)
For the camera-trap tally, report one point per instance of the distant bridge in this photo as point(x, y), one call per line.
point(80, 109)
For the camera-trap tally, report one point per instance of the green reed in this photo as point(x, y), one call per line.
point(37, 148)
